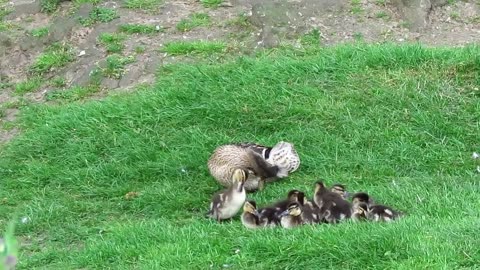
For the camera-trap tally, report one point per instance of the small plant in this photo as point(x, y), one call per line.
point(57, 55)
point(139, 49)
point(112, 42)
point(115, 66)
point(139, 29)
point(195, 20)
point(8, 250)
point(29, 85)
point(49, 6)
point(356, 7)
point(59, 82)
point(381, 15)
point(381, 2)
point(311, 38)
point(455, 16)
point(211, 3)
point(358, 36)
point(148, 5)
point(196, 47)
point(241, 21)
point(39, 32)
point(99, 14)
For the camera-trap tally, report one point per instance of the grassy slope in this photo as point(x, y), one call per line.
point(400, 122)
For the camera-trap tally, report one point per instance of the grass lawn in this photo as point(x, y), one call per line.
point(400, 122)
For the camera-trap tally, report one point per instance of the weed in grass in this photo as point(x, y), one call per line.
point(146, 5)
point(139, 49)
point(39, 32)
point(386, 119)
point(195, 47)
point(4, 9)
point(240, 21)
point(115, 66)
point(29, 85)
point(57, 55)
point(139, 29)
point(73, 94)
point(112, 42)
point(194, 20)
point(357, 36)
point(381, 2)
point(356, 7)
point(211, 3)
point(455, 16)
point(99, 14)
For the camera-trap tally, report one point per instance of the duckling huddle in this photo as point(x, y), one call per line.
point(247, 167)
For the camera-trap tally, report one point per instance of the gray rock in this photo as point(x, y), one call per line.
point(109, 83)
point(84, 10)
point(416, 12)
point(130, 76)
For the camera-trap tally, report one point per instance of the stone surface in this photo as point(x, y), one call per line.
point(20, 7)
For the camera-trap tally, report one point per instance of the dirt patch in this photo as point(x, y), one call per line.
point(243, 24)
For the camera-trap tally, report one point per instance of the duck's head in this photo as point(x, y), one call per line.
point(319, 186)
point(295, 195)
point(293, 209)
point(250, 207)
point(360, 197)
point(360, 209)
point(340, 189)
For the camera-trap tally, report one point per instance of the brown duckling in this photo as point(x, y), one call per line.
point(340, 189)
point(375, 212)
point(264, 164)
point(360, 211)
point(250, 216)
point(226, 203)
point(333, 207)
point(292, 216)
point(273, 211)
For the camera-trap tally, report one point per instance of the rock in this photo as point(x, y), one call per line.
point(130, 76)
point(24, 7)
point(109, 83)
point(152, 63)
point(61, 27)
point(5, 43)
point(416, 12)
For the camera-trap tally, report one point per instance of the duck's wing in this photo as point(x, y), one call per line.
point(284, 155)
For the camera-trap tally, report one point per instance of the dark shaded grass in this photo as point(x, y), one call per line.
point(399, 122)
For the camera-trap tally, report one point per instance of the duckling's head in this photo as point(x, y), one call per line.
point(340, 189)
point(360, 197)
point(319, 186)
point(293, 209)
point(239, 176)
point(295, 195)
point(360, 209)
point(250, 207)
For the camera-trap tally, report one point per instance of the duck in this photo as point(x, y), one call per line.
point(359, 211)
point(292, 216)
point(263, 163)
point(375, 212)
point(251, 218)
point(340, 189)
point(332, 207)
point(228, 202)
point(272, 212)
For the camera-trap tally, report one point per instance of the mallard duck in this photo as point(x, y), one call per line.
point(375, 212)
point(333, 208)
point(340, 189)
point(264, 164)
point(292, 216)
point(250, 216)
point(226, 203)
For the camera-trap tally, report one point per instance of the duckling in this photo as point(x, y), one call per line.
point(292, 217)
point(340, 189)
point(264, 164)
point(333, 207)
point(250, 216)
point(226, 203)
point(360, 211)
point(272, 212)
point(375, 212)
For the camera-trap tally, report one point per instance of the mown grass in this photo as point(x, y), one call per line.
point(400, 122)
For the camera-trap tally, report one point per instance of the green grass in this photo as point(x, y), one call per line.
point(113, 42)
point(193, 21)
point(39, 32)
point(73, 94)
point(29, 85)
point(99, 14)
point(139, 29)
point(194, 47)
point(211, 3)
point(115, 66)
point(311, 38)
point(382, 15)
point(146, 5)
point(356, 7)
point(49, 6)
point(400, 122)
point(56, 56)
